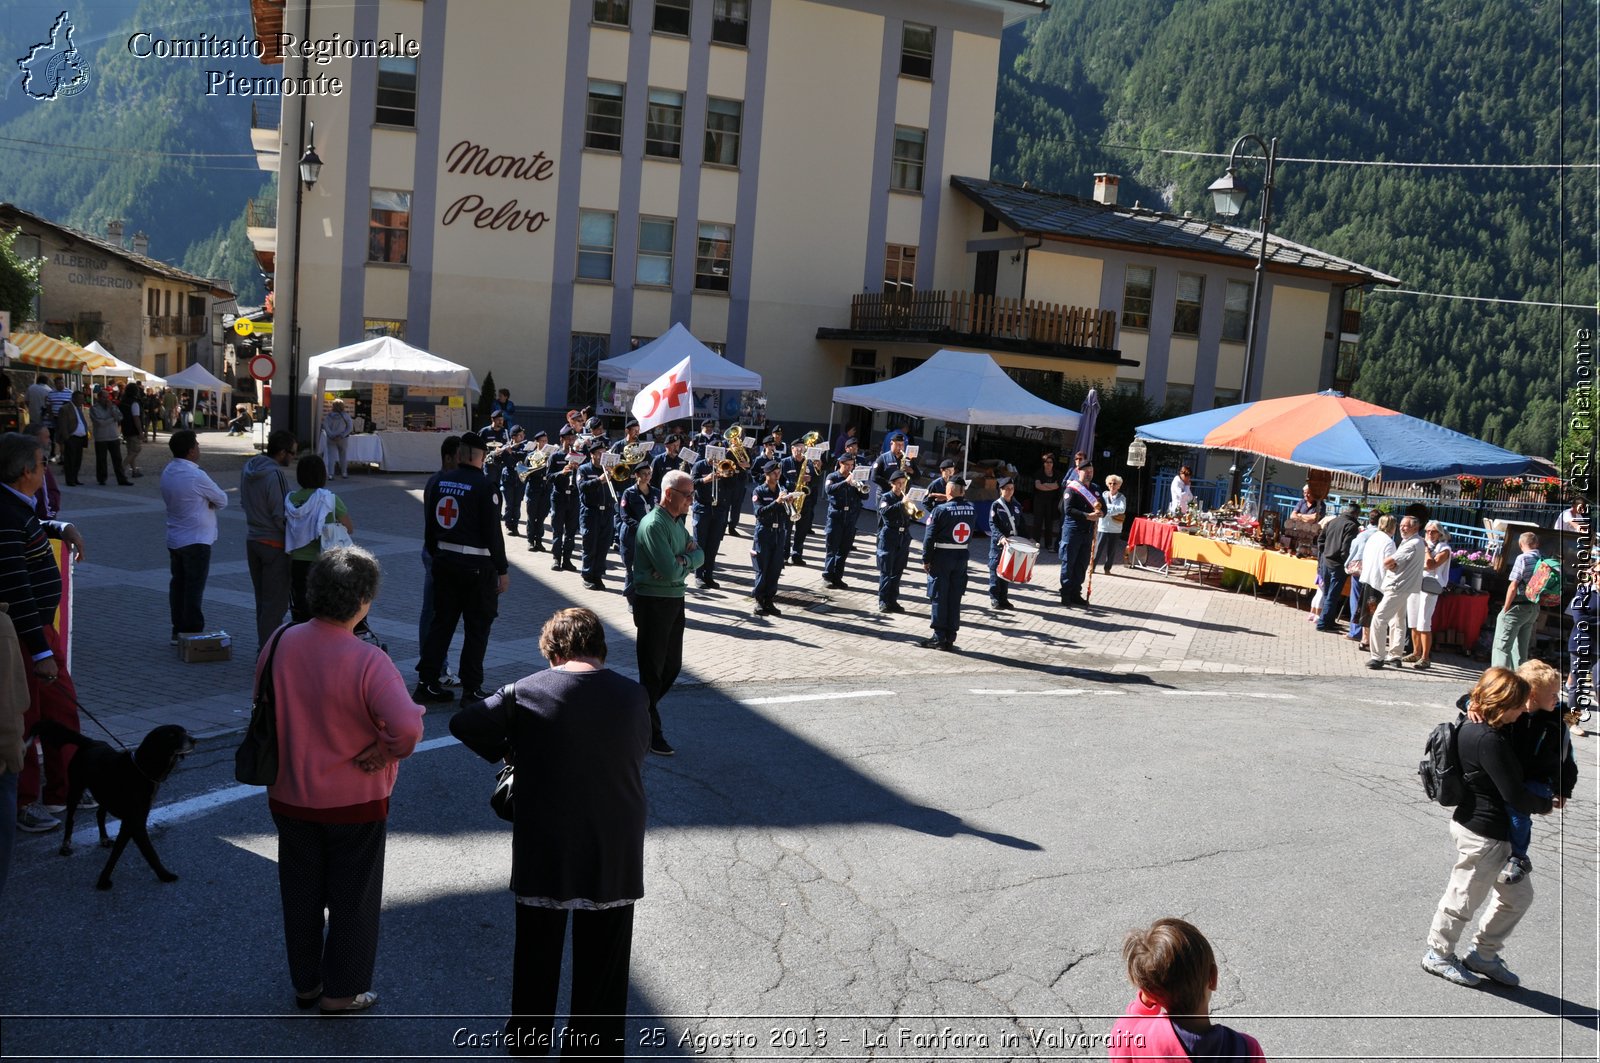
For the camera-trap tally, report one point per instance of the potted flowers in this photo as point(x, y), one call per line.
point(1474, 566)
point(1471, 486)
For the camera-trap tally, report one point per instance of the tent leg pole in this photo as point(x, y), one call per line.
point(828, 442)
point(966, 448)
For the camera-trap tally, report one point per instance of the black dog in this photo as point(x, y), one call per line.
point(124, 783)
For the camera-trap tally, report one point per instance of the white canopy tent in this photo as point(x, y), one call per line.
point(118, 368)
point(197, 378)
point(964, 387)
point(708, 370)
point(384, 360)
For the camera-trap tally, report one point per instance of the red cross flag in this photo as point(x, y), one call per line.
point(667, 398)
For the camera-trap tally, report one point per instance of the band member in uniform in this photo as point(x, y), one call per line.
point(447, 463)
point(771, 546)
point(1081, 509)
point(630, 437)
point(536, 488)
point(710, 518)
point(944, 558)
point(595, 428)
point(894, 541)
point(706, 437)
point(937, 495)
point(668, 460)
point(739, 489)
point(563, 476)
point(801, 531)
point(635, 504)
point(1005, 518)
point(461, 529)
point(597, 516)
point(511, 485)
point(852, 447)
point(495, 431)
point(893, 458)
point(844, 503)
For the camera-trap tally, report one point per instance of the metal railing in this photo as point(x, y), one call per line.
point(971, 314)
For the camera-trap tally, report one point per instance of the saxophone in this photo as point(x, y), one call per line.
point(797, 494)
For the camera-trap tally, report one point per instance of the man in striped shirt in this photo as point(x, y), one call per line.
point(59, 397)
point(30, 583)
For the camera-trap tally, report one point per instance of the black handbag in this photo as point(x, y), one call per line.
point(255, 763)
point(500, 798)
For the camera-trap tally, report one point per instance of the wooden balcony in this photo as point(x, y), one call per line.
point(983, 320)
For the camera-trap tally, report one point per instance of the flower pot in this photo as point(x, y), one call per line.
point(1472, 578)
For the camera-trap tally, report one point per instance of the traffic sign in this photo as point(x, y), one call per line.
point(245, 327)
point(262, 367)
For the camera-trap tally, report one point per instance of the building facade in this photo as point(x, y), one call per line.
point(150, 314)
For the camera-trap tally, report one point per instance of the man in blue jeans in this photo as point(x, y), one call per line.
point(1333, 550)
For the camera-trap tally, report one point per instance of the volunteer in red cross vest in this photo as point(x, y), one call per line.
point(944, 559)
point(462, 533)
point(1081, 510)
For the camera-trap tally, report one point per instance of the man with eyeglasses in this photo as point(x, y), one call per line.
point(664, 555)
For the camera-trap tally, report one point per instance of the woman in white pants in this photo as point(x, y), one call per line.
point(1420, 606)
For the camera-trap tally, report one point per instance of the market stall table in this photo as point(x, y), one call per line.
point(410, 451)
point(1154, 534)
point(1459, 619)
point(363, 448)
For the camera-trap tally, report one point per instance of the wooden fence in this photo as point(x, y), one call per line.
point(971, 314)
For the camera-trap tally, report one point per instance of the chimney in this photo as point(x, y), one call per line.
point(114, 232)
point(141, 243)
point(1105, 188)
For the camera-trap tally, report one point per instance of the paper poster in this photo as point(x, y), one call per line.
point(458, 401)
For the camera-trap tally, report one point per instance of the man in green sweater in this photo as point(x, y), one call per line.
point(664, 555)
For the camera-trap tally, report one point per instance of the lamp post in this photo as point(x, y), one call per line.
point(310, 170)
point(1228, 194)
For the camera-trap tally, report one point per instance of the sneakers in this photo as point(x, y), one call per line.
point(447, 678)
point(1494, 969)
point(35, 820)
point(1516, 869)
point(86, 803)
point(1450, 969)
point(427, 693)
point(661, 747)
point(479, 694)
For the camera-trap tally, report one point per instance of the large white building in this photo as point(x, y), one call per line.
point(547, 183)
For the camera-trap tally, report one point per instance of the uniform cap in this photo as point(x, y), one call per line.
point(566, 430)
point(473, 441)
point(770, 466)
point(541, 434)
point(1086, 463)
point(631, 423)
point(896, 474)
point(516, 430)
point(948, 463)
point(593, 446)
point(498, 415)
point(1005, 481)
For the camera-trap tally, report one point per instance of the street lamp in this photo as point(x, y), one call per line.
point(311, 162)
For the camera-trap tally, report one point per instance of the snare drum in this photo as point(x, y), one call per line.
point(1016, 560)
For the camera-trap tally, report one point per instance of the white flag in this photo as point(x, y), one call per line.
point(667, 398)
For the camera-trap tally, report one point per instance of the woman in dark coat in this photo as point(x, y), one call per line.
point(578, 734)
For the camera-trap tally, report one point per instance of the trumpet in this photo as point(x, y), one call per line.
point(734, 437)
point(913, 510)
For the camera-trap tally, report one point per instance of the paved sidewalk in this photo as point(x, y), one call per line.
point(131, 679)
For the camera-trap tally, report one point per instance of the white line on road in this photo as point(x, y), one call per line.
point(839, 696)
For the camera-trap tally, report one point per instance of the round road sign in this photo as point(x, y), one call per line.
point(262, 367)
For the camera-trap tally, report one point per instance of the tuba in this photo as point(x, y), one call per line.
point(734, 437)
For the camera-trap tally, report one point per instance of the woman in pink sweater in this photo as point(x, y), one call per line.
point(345, 719)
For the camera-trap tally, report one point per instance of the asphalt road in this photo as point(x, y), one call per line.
point(940, 868)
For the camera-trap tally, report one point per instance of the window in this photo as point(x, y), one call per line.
point(589, 349)
point(663, 124)
point(910, 147)
point(713, 257)
point(899, 270)
point(397, 91)
point(672, 16)
point(655, 252)
point(603, 126)
point(376, 328)
point(1129, 386)
point(730, 21)
point(389, 226)
point(1180, 400)
point(611, 12)
point(916, 50)
point(1236, 312)
point(1186, 312)
point(1224, 397)
point(597, 241)
point(723, 120)
point(1137, 286)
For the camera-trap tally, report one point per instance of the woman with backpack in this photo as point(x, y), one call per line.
point(1492, 783)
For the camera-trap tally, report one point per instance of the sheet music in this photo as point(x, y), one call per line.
point(716, 454)
point(917, 494)
point(858, 475)
point(815, 453)
point(688, 455)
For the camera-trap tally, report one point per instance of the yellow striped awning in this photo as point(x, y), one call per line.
point(47, 353)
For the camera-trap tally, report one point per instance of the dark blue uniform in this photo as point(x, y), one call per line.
point(711, 502)
point(563, 511)
point(944, 552)
point(894, 548)
point(738, 486)
point(536, 488)
point(1078, 501)
point(664, 463)
point(461, 532)
point(491, 434)
point(771, 543)
point(597, 518)
point(631, 509)
point(844, 505)
point(511, 486)
point(801, 531)
point(1005, 518)
point(882, 466)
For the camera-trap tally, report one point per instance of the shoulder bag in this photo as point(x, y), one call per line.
point(501, 798)
point(255, 763)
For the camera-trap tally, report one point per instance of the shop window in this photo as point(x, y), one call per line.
point(1138, 285)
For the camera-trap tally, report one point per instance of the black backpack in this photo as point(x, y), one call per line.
point(1440, 769)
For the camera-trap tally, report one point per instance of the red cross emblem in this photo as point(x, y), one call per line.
point(674, 390)
point(446, 512)
point(961, 533)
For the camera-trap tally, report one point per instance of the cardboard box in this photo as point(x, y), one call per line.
point(207, 646)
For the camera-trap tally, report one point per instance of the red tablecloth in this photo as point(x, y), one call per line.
point(1152, 533)
point(1460, 617)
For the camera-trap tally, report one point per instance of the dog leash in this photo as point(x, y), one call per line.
point(97, 723)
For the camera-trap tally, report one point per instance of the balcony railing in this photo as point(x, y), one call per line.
point(261, 214)
point(971, 314)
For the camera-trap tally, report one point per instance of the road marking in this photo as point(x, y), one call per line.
point(788, 699)
point(1259, 696)
point(200, 804)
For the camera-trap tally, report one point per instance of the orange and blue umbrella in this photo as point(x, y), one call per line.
point(1330, 430)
